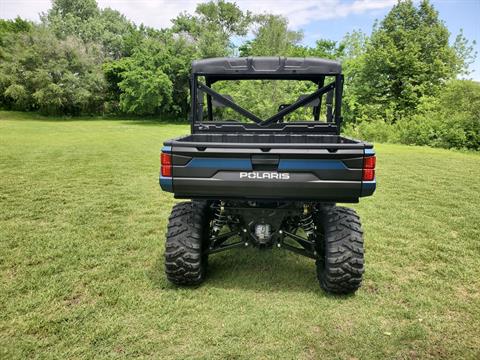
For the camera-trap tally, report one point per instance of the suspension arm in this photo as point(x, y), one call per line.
point(306, 244)
point(220, 239)
point(299, 251)
point(226, 247)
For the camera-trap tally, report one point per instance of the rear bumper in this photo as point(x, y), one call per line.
point(227, 185)
point(368, 187)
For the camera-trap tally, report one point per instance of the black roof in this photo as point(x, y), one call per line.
point(266, 66)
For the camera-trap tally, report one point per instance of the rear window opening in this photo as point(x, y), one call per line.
point(265, 98)
point(263, 101)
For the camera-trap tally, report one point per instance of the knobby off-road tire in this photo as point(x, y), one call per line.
point(187, 237)
point(341, 266)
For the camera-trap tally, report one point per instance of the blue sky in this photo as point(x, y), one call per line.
point(329, 19)
point(457, 14)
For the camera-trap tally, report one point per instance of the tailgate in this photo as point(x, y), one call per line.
point(270, 173)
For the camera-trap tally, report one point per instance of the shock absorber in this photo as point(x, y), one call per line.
point(219, 218)
point(306, 222)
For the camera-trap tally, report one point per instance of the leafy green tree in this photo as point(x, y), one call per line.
point(54, 76)
point(450, 120)
point(9, 30)
point(408, 57)
point(82, 9)
point(8, 27)
point(14, 26)
point(212, 27)
point(145, 92)
point(84, 19)
point(272, 37)
point(352, 56)
point(326, 49)
point(462, 97)
point(155, 78)
point(117, 35)
point(113, 71)
point(66, 18)
point(465, 54)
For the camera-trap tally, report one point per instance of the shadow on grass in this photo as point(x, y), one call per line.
point(253, 270)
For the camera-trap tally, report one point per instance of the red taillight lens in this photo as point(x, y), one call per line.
point(369, 163)
point(167, 171)
point(166, 161)
point(368, 174)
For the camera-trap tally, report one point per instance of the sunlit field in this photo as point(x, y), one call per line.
point(82, 231)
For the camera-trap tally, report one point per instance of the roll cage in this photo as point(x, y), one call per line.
point(267, 68)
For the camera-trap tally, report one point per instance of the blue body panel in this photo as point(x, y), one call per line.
point(304, 164)
point(219, 163)
point(166, 183)
point(368, 187)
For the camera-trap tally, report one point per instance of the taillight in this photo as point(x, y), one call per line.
point(368, 173)
point(166, 161)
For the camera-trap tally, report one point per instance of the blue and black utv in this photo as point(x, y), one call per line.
point(267, 182)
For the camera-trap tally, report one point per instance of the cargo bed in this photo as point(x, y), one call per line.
point(260, 140)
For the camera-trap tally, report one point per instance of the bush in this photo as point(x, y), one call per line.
point(417, 130)
point(51, 75)
point(145, 91)
point(452, 120)
point(18, 96)
point(376, 130)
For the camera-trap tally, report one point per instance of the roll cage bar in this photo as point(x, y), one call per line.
point(333, 91)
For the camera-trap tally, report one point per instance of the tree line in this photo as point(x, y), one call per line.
point(401, 80)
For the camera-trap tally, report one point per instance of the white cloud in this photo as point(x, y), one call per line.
point(302, 12)
point(26, 9)
point(150, 12)
point(157, 13)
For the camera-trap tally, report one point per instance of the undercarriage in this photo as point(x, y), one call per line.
point(329, 234)
point(286, 225)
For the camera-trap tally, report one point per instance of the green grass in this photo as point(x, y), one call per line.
point(82, 223)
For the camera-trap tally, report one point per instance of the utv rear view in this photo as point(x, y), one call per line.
point(270, 180)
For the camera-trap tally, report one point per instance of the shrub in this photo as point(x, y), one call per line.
point(376, 130)
point(451, 120)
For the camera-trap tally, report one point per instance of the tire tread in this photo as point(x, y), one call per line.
point(342, 268)
point(184, 263)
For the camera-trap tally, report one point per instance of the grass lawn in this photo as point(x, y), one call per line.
point(82, 224)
